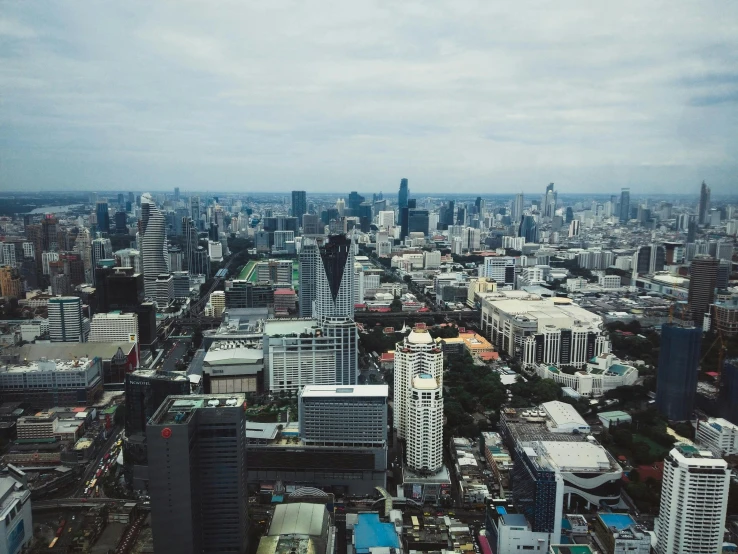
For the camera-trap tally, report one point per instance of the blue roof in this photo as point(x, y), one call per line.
point(517, 520)
point(619, 521)
point(369, 532)
point(617, 369)
point(501, 510)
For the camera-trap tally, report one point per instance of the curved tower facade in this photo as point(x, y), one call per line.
point(424, 444)
point(152, 239)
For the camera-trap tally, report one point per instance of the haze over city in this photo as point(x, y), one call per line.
point(327, 97)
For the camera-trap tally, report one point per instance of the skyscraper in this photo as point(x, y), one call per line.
point(299, 204)
point(650, 259)
point(65, 320)
point(548, 203)
point(403, 194)
point(676, 383)
point(694, 502)
point(424, 441)
point(335, 282)
point(704, 207)
point(517, 208)
point(195, 211)
point(417, 221)
point(624, 205)
point(152, 240)
point(176, 194)
point(197, 474)
point(416, 354)
point(703, 272)
point(528, 229)
point(309, 259)
point(103, 217)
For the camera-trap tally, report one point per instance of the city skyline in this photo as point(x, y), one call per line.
point(252, 98)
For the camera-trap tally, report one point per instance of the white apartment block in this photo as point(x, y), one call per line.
point(114, 327)
point(432, 260)
point(609, 281)
point(499, 268)
point(386, 219)
point(217, 303)
point(694, 501)
point(719, 435)
point(425, 425)
point(417, 354)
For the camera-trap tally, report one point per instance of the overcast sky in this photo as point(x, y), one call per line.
point(478, 97)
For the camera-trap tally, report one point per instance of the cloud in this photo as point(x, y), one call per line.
point(325, 96)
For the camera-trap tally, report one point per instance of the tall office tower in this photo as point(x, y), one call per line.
point(703, 273)
point(335, 280)
point(334, 303)
point(121, 221)
point(676, 383)
point(103, 217)
point(404, 222)
point(197, 474)
point(65, 320)
point(691, 229)
point(416, 354)
point(424, 450)
point(343, 416)
point(308, 261)
point(195, 211)
point(703, 213)
point(528, 229)
point(548, 203)
point(694, 502)
point(189, 230)
point(176, 194)
point(153, 244)
point(299, 204)
point(403, 194)
point(516, 211)
point(341, 207)
point(480, 206)
point(354, 201)
point(624, 205)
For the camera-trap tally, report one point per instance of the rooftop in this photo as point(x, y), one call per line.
point(70, 350)
point(163, 375)
point(571, 549)
point(176, 410)
point(578, 457)
point(318, 391)
point(370, 532)
point(424, 381)
point(300, 518)
point(617, 521)
point(562, 413)
point(419, 336)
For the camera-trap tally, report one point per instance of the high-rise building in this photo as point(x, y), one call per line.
point(528, 229)
point(197, 474)
point(516, 211)
point(308, 269)
point(16, 525)
point(499, 268)
point(195, 211)
point(311, 225)
point(424, 440)
point(299, 204)
point(114, 327)
point(676, 383)
point(176, 194)
point(702, 280)
point(624, 205)
point(704, 207)
point(694, 502)
point(417, 221)
point(650, 259)
point(335, 280)
point(103, 217)
point(65, 320)
point(416, 354)
point(403, 194)
point(152, 242)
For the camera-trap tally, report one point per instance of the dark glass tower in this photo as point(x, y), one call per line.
point(624, 205)
point(528, 229)
point(403, 194)
point(676, 382)
point(103, 217)
point(704, 207)
point(299, 204)
point(703, 272)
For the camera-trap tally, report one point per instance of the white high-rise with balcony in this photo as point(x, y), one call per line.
point(424, 444)
point(416, 355)
point(694, 501)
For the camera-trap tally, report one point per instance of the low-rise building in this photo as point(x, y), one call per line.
point(601, 374)
point(614, 418)
point(620, 534)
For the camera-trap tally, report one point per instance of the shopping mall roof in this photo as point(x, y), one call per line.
point(299, 519)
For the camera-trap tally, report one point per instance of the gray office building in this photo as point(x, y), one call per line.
point(197, 471)
point(344, 416)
